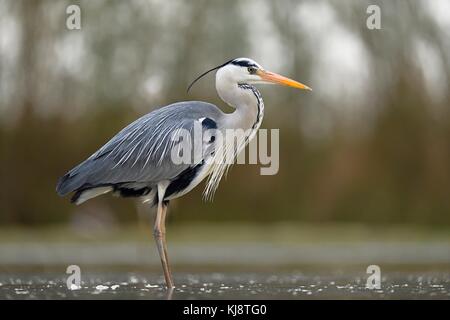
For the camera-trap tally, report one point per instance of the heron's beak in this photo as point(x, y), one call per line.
point(276, 78)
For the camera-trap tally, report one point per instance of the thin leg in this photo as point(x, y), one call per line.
point(159, 232)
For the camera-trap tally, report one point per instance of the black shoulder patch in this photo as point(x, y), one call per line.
point(183, 180)
point(209, 123)
point(130, 192)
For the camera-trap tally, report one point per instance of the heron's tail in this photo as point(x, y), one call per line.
point(73, 179)
point(65, 184)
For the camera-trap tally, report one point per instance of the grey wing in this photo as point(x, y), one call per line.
point(141, 152)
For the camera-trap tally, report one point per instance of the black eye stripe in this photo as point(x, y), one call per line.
point(236, 62)
point(243, 63)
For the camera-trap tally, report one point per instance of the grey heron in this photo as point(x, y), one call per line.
point(138, 161)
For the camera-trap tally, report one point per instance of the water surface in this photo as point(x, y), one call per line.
point(233, 285)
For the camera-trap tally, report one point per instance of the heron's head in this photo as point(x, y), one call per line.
point(248, 71)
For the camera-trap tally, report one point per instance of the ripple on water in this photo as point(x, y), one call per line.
point(235, 285)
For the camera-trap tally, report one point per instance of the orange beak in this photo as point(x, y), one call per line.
point(276, 78)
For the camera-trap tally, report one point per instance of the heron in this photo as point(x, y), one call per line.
point(138, 161)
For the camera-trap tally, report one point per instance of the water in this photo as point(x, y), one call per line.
point(233, 285)
point(228, 262)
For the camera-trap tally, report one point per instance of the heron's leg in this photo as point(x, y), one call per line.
point(159, 232)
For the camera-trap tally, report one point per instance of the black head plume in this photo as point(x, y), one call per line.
point(206, 72)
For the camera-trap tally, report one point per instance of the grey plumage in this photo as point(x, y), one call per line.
point(139, 160)
point(139, 155)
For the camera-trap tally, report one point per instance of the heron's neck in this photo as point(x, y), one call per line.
point(248, 103)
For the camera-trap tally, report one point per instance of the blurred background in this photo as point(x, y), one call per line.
point(366, 153)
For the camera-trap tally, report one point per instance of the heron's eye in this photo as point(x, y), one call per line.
point(251, 70)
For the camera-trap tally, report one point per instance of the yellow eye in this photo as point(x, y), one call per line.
point(251, 70)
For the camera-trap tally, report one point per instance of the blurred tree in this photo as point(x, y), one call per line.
point(370, 144)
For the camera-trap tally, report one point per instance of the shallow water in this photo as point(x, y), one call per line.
point(124, 268)
point(341, 285)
